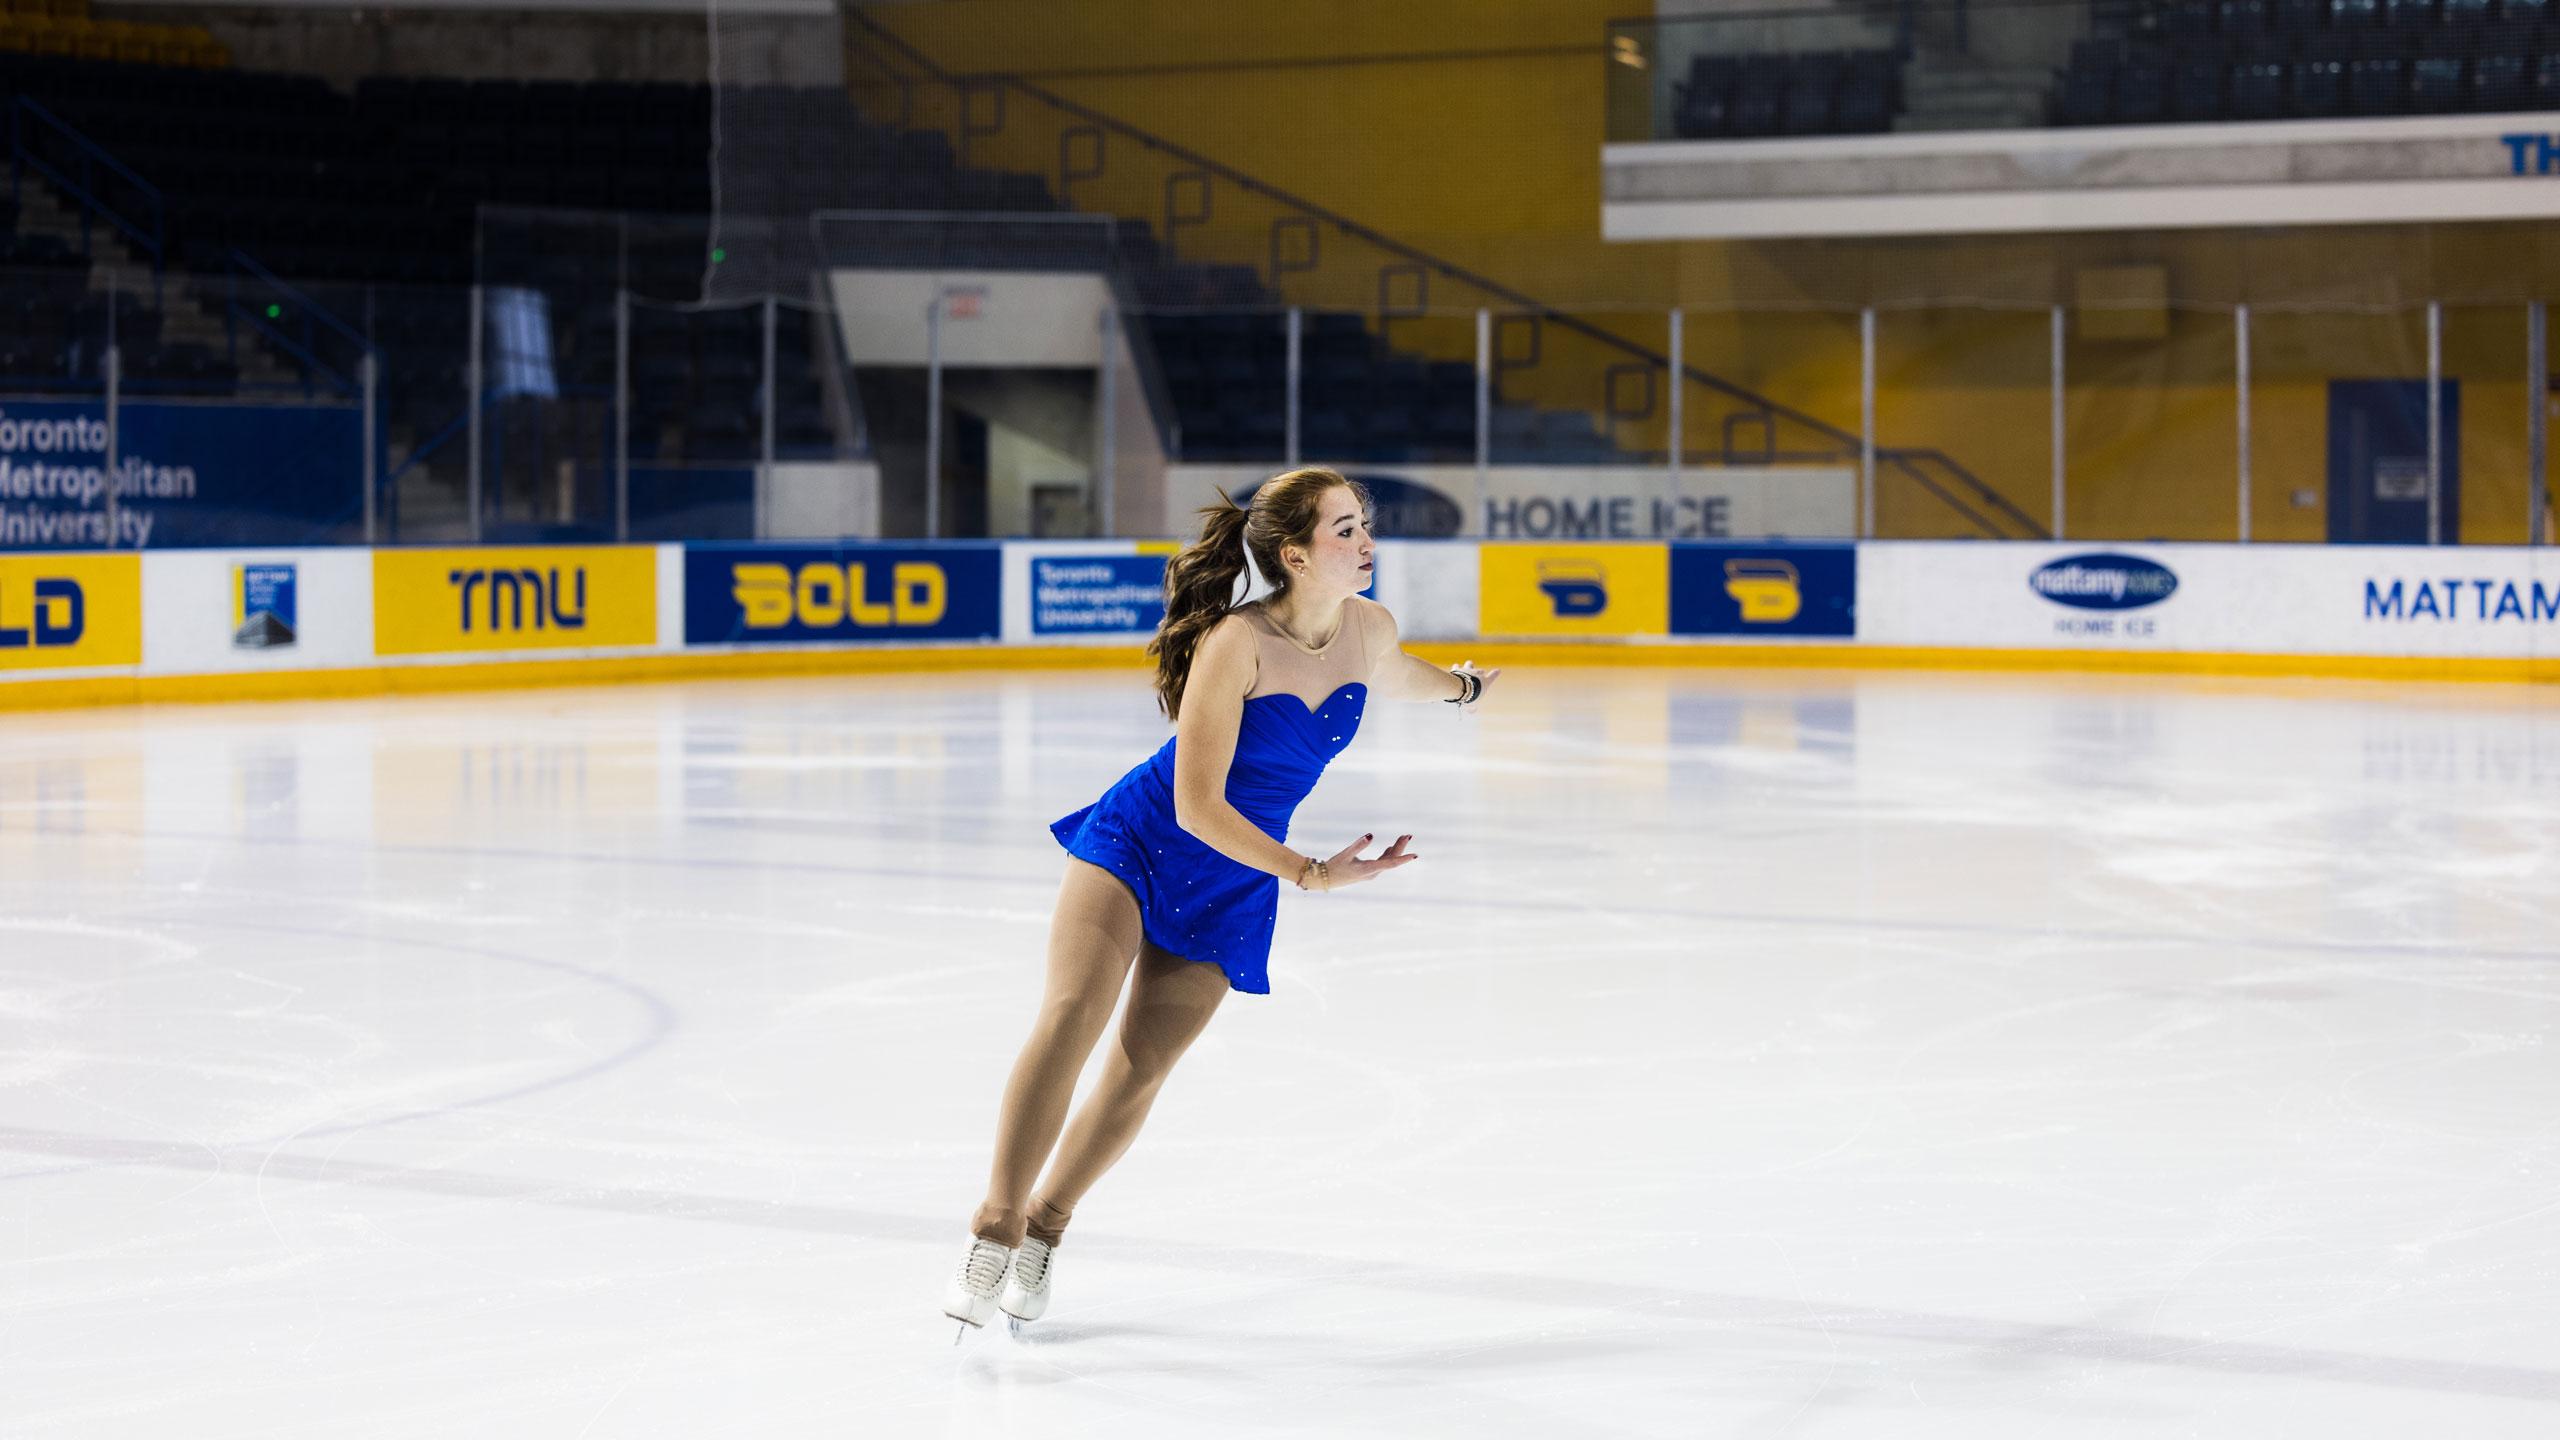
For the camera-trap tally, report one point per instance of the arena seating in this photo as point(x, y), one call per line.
point(1817, 93)
point(2209, 60)
point(368, 203)
point(65, 27)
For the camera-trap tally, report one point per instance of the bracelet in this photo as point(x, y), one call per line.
point(1317, 868)
point(1470, 685)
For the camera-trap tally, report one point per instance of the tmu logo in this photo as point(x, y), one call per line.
point(58, 615)
point(510, 598)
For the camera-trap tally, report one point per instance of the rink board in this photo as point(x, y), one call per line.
point(204, 624)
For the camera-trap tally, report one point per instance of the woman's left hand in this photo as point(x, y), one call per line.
point(1484, 678)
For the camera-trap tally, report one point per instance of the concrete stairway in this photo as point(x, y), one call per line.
point(430, 501)
point(188, 315)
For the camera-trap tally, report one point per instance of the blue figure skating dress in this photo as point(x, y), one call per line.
point(1194, 901)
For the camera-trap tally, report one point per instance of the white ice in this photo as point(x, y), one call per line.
point(1751, 1053)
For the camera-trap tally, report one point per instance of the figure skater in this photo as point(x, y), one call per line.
point(1178, 866)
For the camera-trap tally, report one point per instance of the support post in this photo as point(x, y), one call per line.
point(1679, 366)
point(114, 362)
point(2435, 422)
point(1297, 342)
point(933, 418)
point(621, 416)
point(1867, 423)
point(369, 371)
point(471, 379)
point(2537, 411)
point(2058, 328)
point(1484, 418)
point(2240, 366)
point(1107, 475)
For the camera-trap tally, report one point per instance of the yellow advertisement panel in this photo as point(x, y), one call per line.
point(62, 612)
point(1573, 589)
point(445, 602)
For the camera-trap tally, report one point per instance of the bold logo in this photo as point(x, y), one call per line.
point(1574, 587)
point(825, 596)
point(2104, 582)
point(58, 615)
point(1766, 590)
point(504, 600)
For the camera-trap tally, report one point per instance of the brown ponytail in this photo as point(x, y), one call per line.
point(1200, 582)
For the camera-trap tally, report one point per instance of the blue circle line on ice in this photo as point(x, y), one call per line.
point(2102, 581)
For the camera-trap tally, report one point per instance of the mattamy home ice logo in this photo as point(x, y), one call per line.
point(2104, 582)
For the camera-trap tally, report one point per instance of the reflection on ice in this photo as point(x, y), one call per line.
point(1754, 1053)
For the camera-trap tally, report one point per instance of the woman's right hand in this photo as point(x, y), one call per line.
point(1347, 868)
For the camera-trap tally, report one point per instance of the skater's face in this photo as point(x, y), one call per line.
point(1336, 559)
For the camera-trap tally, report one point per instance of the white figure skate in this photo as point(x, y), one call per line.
point(971, 1300)
point(1026, 1289)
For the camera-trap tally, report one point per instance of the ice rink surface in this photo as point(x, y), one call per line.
point(1750, 1054)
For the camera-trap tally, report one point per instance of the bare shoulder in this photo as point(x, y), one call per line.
point(1227, 653)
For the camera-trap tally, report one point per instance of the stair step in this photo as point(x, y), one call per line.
point(115, 268)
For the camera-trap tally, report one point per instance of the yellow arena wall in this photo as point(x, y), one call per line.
point(1474, 133)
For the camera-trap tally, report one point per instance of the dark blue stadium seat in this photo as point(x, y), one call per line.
point(1757, 98)
point(2355, 14)
point(2141, 92)
point(1811, 83)
point(1705, 107)
point(2498, 83)
point(2468, 16)
point(2319, 88)
point(2190, 19)
point(2257, 90)
point(2377, 87)
point(2435, 85)
point(1870, 92)
point(2241, 19)
point(2195, 90)
point(2085, 95)
point(2300, 17)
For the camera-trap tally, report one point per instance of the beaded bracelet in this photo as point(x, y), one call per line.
point(1317, 868)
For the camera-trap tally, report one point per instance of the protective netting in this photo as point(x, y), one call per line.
point(782, 130)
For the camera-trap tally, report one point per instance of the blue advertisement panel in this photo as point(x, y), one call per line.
point(1096, 594)
point(1764, 590)
point(782, 594)
point(186, 475)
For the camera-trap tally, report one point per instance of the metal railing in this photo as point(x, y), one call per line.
point(1301, 236)
point(149, 230)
